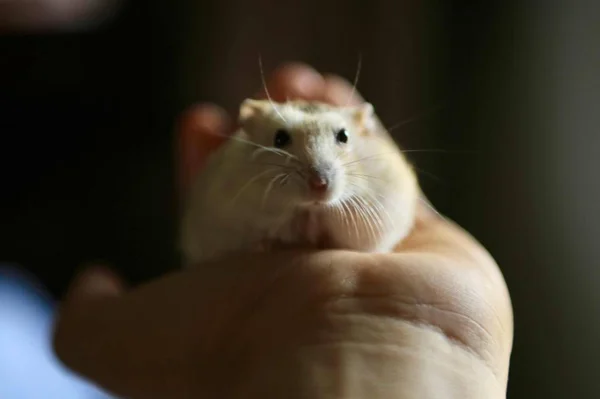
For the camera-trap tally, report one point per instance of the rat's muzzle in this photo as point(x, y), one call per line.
point(318, 181)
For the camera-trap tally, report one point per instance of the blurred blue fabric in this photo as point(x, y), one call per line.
point(28, 367)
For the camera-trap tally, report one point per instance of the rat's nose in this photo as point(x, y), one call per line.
point(317, 180)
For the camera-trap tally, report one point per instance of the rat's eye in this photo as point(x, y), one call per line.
point(341, 136)
point(282, 138)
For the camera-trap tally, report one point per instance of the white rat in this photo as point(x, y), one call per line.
point(301, 174)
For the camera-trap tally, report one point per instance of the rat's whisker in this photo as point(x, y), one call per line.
point(374, 215)
point(437, 150)
point(262, 149)
point(375, 209)
point(367, 157)
point(340, 214)
point(355, 83)
point(381, 208)
point(362, 189)
point(380, 183)
point(269, 188)
point(248, 183)
point(343, 215)
point(278, 151)
point(285, 179)
point(300, 174)
point(262, 77)
point(355, 210)
point(369, 215)
point(287, 160)
point(352, 217)
point(248, 142)
point(367, 219)
point(428, 205)
point(284, 167)
point(414, 118)
point(355, 222)
point(428, 174)
point(358, 177)
point(367, 177)
point(414, 150)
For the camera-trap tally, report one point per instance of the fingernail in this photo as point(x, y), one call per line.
point(307, 84)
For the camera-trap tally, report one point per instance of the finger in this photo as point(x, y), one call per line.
point(338, 91)
point(293, 81)
point(93, 286)
point(92, 291)
point(36, 15)
point(201, 130)
point(95, 282)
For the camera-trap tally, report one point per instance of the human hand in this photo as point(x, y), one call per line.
point(44, 15)
point(433, 319)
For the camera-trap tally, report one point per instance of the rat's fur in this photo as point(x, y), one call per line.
point(254, 196)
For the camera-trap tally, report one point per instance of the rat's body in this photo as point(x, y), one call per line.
point(301, 174)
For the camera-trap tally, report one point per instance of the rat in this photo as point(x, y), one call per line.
point(301, 174)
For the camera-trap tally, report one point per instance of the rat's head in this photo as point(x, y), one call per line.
point(308, 144)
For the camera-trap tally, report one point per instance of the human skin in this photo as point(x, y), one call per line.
point(51, 15)
point(431, 320)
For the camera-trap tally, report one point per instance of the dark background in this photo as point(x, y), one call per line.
point(87, 150)
point(86, 146)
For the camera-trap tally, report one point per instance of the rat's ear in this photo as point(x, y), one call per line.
point(364, 116)
point(249, 109)
point(364, 112)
